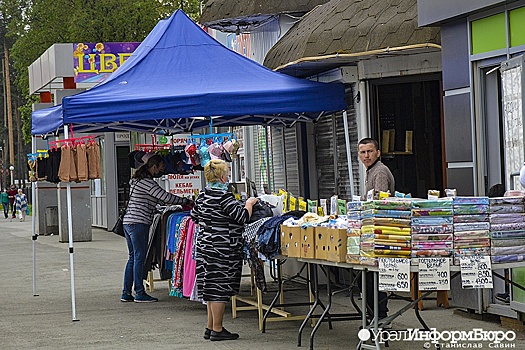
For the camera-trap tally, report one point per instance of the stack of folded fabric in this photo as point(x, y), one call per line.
point(507, 229)
point(432, 228)
point(385, 230)
point(471, 227)
point(353, 244)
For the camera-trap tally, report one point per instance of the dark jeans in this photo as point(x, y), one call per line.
point(137, 236)
point(6, 209)
point(13, 208)
point(383, 300)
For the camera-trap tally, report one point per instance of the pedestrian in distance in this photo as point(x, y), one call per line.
point(145, 195)
point(221, 220)
point(21, 204)
point(11, 193)
point(5, 203)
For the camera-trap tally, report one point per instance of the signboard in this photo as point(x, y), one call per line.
point(434, 274)
point(94, 62)
point(476, 272)
point(394, 274)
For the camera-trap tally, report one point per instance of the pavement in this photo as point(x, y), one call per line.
point(45, 320)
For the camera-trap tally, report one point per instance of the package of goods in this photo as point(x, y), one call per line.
point(471, 200)
point(500, 259)
point(506, 218)
point(432, 203)
point(393, 238)
point(432, 229)
point(471, 226)
point(514, 200)
point(472, 243)
point(508, 227)
point(432, 236)
point(432, 212)
point(385, 230)
point(506, 208)
point(389, 204)
point(354, 206)
point(430, 253)
point(507, 234)
point(465, 209)
point(368, 261)
point(386, 222)
point(507, 250)
point(432, 221)
point(432, 245)
point(383, 213)
point(471, 218)
point(459, 235)
point(386, 253)
point(507, 242)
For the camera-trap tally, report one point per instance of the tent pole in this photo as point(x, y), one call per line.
point(33, 221)
point(70, 239)
point(348, 154)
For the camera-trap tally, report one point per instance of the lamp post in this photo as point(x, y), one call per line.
point(12, 168)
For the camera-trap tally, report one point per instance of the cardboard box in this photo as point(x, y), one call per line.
point(336, 248)
point(284, 243)
point(321, 240)
point(385, 141)
point(392, 140)
point(408, 141)
point(308, 243)
point(294, 242)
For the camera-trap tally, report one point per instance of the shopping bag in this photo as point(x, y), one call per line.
point(27, 210)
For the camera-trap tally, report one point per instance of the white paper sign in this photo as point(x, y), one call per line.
point(434, 274)
point(394, 274)
point(476, 272)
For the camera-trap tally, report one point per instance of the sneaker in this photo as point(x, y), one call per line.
point(145, 298)
point(503, 297)
point(207, 333)
point(126, 297)
point(223, 335)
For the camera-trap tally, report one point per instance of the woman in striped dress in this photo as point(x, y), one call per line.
point(219, 261)
point(145, 195)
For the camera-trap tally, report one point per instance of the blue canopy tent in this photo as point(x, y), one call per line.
point(180, 75)
point(176, 81)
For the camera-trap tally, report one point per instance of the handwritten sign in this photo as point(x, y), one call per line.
point(394, 274)
point(476, 272)
point(434, 274)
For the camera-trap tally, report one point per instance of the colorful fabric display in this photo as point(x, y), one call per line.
point(389, 247)
point(508, 218)
point(471, 218)
point(507, 234)
point(382, 213)
point(512, 200)
point(391, 253)
point(472, 251)
point(395, 238)
point(507, 250)
point(460, 235)
point(430, 252)
point(471, 200)
point(471, 226)
point(498, 259)
point(432, 245)
point(464, 209)
point(386, 222)
point(472, 243)
point(432, 212)
point(507, 242)
point(388, 204)
point(385, 230)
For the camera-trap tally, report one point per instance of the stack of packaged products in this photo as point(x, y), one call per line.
point(471, 227)
point(385, 230)
point(353, 244)
point(432, 228)
point(507, 229)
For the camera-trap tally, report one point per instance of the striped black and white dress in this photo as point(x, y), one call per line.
point(221, 219)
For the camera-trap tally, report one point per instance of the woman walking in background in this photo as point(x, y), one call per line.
point(5, 202)
point(21, 204)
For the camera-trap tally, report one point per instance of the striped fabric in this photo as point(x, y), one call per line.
point(219, 245)
point(145, 195)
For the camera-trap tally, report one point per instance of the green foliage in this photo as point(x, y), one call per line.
point(35, 25)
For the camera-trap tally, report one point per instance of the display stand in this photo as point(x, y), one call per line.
point(150, 281)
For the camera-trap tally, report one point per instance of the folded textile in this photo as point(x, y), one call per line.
point(508, 227)
point(432, 212)
point(507, 234)
point(386, 222)
point(391, 253)
point(462, 235)
point(507, 208)
point(385, 230)
point(432, 245)
point(432, 237)
point(498, 259)
point(395, 238)
point(432, 229)
point(392, 243)
point(507, 242)
point(432, 203)
point(506, 200)
point(471, 200)
point(507, 218)
point(471, 226)
point(382, 213)
point(507, 250)
point(433, 221)
point(389, 247)
point(460, 209)
point(431, 252)
point(471, 218)
point(393, 204)
point(472, 251)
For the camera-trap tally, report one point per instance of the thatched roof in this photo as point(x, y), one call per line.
point(227, 15)
point(353, 27)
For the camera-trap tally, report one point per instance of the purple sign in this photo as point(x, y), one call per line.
point(94, 62)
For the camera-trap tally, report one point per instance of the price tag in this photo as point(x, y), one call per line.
point(394, 274)
point(434, 274)
point(476, 272)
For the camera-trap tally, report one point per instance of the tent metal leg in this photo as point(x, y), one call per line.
point(33, 223)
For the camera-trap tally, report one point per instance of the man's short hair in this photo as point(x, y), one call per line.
point(368, 140)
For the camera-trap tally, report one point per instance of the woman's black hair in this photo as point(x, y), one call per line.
point(498, 190)
point(142, 172)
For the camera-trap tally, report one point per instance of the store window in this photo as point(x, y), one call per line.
point(489, 34)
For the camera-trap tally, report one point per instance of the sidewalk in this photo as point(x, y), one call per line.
point(45, 321)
